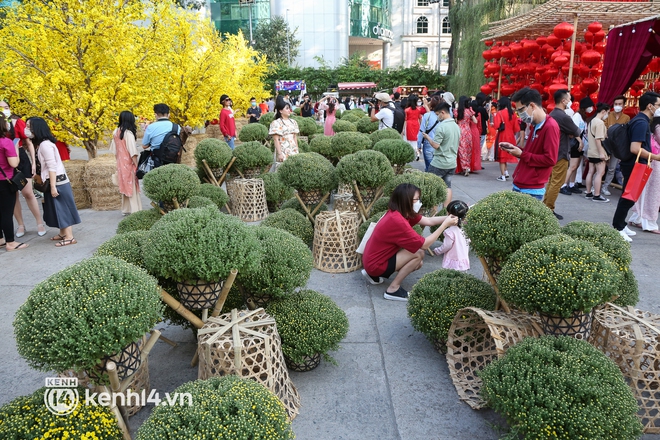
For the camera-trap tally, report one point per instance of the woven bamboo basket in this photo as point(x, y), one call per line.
point(198, 294)
point(578, 325)
point(345, 203)
point(478, 337)
point(127, 361)
point(312, 197)
point(103, 192)
point(75, 171)
point(253, 173)
point(631, 338)
point(248, 199)
point(188, 156)
point(335, 242)
point(368, 195)
point(246, 343)
point(345, 188)
point(308, 363)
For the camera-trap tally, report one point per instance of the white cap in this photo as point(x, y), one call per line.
point(448, 97)
point(383, 97)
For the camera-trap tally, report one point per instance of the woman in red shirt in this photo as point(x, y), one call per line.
point(394, 246)
point(414, 113)
point(507, 124)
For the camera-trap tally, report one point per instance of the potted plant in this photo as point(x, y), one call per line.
point(559, 387)
point(28, 418)
point(87, 314)
point(126, 246)
point(321, 144)
point(170, 185)
point(629, 290)
point(310, 174)
point(381, 205)
point(222, 407)
point(435, 299)
point(303, 146)
point(345, 143)
point(292, 221)
point(197, 248)
point(398, 152)
point(351, 117)
point(276, 191)
point(561, 279)
point(343, 126)
point(386, 133)
point(253, 133)
point(252, 159)
point(266, 119)
point(433, 189)
point(500, 223)
point(295, 205)
point(370, 170)
point(307, 126)
point(286, 264)
point(215, 193)
point(365, 125)
point(216, 153)
point(310, 325)
point(138, 221)
point(200, 202)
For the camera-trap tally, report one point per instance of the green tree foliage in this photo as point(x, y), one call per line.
point(270, 39)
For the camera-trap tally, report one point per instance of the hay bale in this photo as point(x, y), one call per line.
point(75, 170)
point(98, 182)
point(213, 131)
point(188, 156)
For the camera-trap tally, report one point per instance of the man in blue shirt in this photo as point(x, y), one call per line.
point(156, 131)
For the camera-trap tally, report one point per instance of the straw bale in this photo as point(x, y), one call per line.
point(104, 193)
point(105, 199)
point(75, 170)
point(188, 156)
point(213, 131)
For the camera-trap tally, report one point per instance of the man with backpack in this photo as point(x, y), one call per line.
point(639, 137)
point(163, 137)
point(388, 116)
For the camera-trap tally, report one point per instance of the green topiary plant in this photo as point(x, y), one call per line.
point(266, 119)
point(28, 418)
point(307, 172)
point(433, 188)
point(309, 323)
point(369, 169)
point(386, 133)
point(292, 221)
point(295, 205)
point(320, 129)
point(200, 202)
point(381, 205)
point(629, 290)
point(138, 221)
point(89, 310)
point(276, 191)
point(306, 126)
point(557, 276)
point(165, 183)
point(200, 244)
point(561, 388)
point(398, 151)
point(343, 144)
point(127, 247)
point(341, 126)
point(438, 296)
point(215, 193)
point(222, 408)
point(322, 145)
point(216, 153)
point(252, 155)
point(500, 223)
point(253, 132)
point(303, 146)
point(365, 125)
point(286, 264)
point(355, 112)
point(351, 117)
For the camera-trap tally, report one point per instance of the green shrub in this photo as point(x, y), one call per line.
point(308, 171)
point(628, 291)
point(370, 169)
point(306, 126)
point(295, 205)
point(365, 125)
point(303, 146)
point(341, 126)
point(201, 243)
point(215, 193)
point(28, 418)
point(276, 191)
point(200, 202)
point(351, 117)
point(381, 205)
point(266, 119)
point(252, 155)
point(253, 132)
point(398, 151)
point(165, 183)
point(91, 309)
point(343, 144)
point(308, 323)
point(138, 221)
point(561, 388)
point(216, 153)
point(438, 296)
point(127, 247)
point(286, 264)
point(557, 275)
point(292, 221)
point(386, 133)
point(433, 188)
point(500, 223)
point(320, 129)
point(322, 145)
point(222, 408)
point(355, 112)
point(297, 111)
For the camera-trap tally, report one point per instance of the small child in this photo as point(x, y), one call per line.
point(455, 245)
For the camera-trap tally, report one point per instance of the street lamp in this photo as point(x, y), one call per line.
point(249, 5)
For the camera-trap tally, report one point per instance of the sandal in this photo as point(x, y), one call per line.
point(65, 242)
point(654, 231)
point(19, 247)
point(58, 237)
point(637, 225)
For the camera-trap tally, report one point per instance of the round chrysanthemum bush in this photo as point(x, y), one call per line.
point(215, 152)
point(369, 169)
point(500, 223)
point(307, 172)
point(386, 133)
point(266, 119)
point(89, 310)
point(292, 221)
point(215, 193)
point(322, 145)
point(307, 125)
point(345, 143)
point(365, 125)
point(200, 202)
point(127, 247)
point(341, 126)
point(28, 418)
point(252, 155)
point(433, 188)
point(558, 387)
point(228, 408)
point(557, 276)
point(351, 117)
point(398, 151)
point(435, 299)
point(303, 146)
point(138, 221)
point(168, 182)
point(629, 290)
point(286, 264)
point(276, 191)
point(381, 205)
point(253, 132)
point(309, 323)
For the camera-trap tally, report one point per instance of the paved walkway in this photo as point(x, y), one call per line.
point(390, 383)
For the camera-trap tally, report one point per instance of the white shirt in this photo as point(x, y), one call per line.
point(385, 117)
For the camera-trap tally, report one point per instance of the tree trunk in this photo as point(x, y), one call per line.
point(90, 146)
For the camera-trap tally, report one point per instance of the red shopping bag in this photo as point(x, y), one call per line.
point(637, 181)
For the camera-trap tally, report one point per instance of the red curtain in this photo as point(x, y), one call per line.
point(628, 52)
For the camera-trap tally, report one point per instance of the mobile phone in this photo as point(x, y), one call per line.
point(506, 146)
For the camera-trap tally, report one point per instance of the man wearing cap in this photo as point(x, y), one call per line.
point(155, 132)
point(227, 122)
point(449, 99)
point(385, 116)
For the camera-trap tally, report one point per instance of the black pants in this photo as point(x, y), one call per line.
point(7, 201)
point(624, 205)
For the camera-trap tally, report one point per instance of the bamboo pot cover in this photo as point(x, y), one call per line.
point(308, 363)
point(127, 361)
point(335, 242)
point(578, 325)
point(248, 199)
point(199, 294)
point(312, 197)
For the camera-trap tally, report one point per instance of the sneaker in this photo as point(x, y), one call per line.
point(589, 195)
point(371, 279)
point(566, 191)
point(628, 231)
point(575, 190)
point(600, 199)
point(625, 236)
point(580, 185)
point(399, 295)
point(559, 216)
point(506, 174)
point(606, 192)
point(501, 179)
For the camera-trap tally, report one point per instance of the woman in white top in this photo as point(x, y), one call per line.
point(284, 131)
point(125, 149)
point(59, 206)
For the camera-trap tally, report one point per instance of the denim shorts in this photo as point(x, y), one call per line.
point(444, 174)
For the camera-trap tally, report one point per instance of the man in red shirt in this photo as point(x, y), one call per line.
point(541, 150)
point(227, 122)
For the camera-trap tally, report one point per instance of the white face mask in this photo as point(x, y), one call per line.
point(6, 112)
point(28, 133)
point(417, 206)
point(657, 113)
point(604, 117)
point(589, 109)
point(569, 104)
point(618, 108)
point(419, 103)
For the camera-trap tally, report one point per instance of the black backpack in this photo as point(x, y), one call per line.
point(618, 141)
point(171, 147)
point(399, 119)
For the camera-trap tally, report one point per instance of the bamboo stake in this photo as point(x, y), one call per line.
point(239, 173)
point(499, 81)
point(205, 314)
point(360, 202)
point(499, 302)
point(178, 307)
point(175, 202)
point(209, 173)
point(157, 207)
point(224, 175)
point(119, 411)
point(311, 218)
point(323, 199)
point(168, 341)
point(571, 61)
point(229, 282)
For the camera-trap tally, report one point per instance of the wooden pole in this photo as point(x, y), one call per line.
point(115, 387)
point(168, 341)
point(499, 81)
point(571, 61)
point(175, 202)
point(209, 173)
point(224, 175)
point(500, 302)
point(158, 208)
point(229, 282)
point(309, 214)
point(358, 196)
point(323, 199)
point(178, 307)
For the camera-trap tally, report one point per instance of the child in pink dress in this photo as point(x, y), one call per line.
point(455, 245)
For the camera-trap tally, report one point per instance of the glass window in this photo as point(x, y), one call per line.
point(422, 25)
point(446, 27)
point(445, 3)
point(422, 2)
point(421, 55)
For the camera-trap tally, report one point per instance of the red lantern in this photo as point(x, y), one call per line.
point(507, 90)
point(600, 47)
point(563, 30)
point(492, 84)
point(557, 87)
point(560, 61)
point(488, 43)
point(638, 85)
point(541, 41)
point(506, 52)
point(579, 48)
point(553, 40)
point(594, 27)
point(590, 58)
point(559, 53)
point(486, 90)
point(487, 55)
point(517, 49)
point(538, 87)
point(589, 37)
point(495, 53)
point(589, 85)
point(636, 93)
point(656, 86)
point(654, 65)
point(599, 36)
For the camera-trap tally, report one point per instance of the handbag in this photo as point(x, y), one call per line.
point(637, 180)
point(367, 236)
point(145, 164)
point(18, 181)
